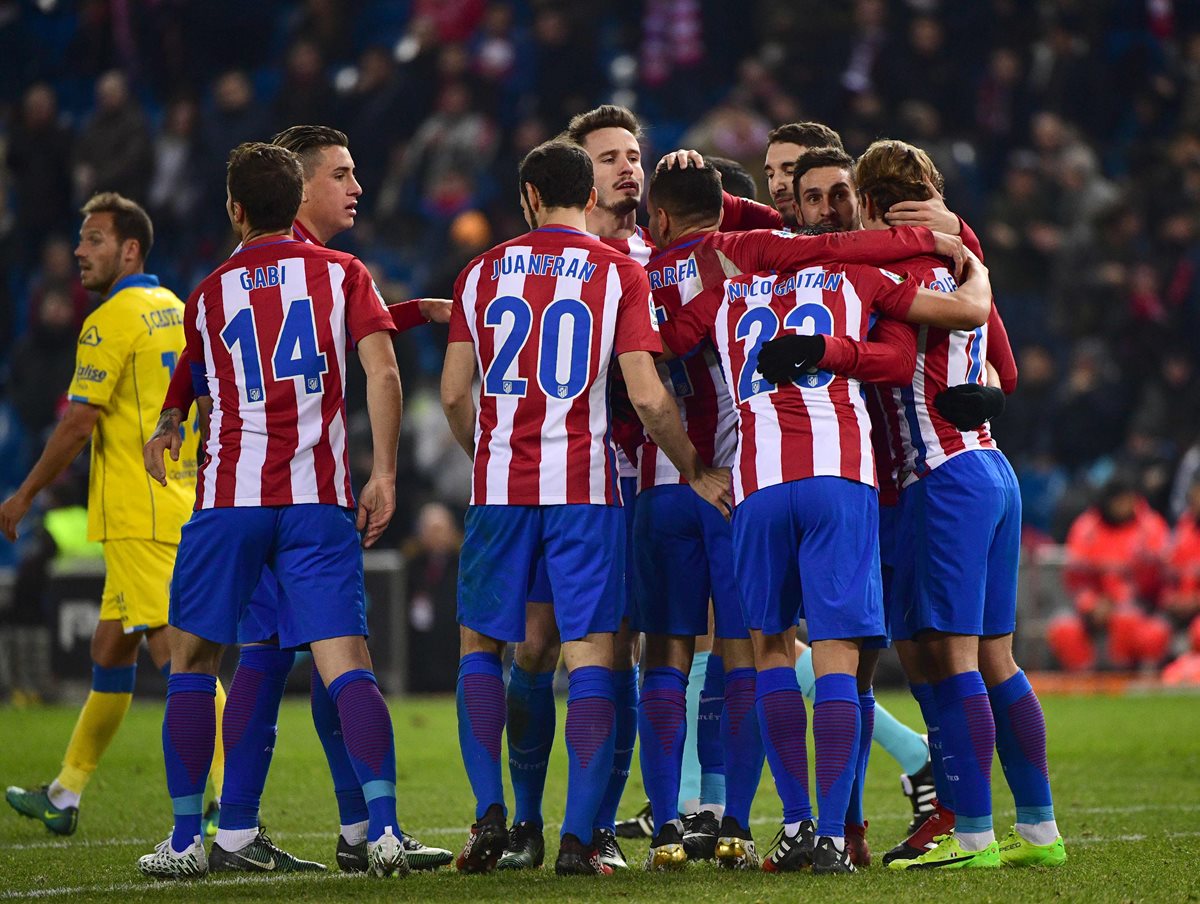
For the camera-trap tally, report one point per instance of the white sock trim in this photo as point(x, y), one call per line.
point(233, 840)
point(354, 833)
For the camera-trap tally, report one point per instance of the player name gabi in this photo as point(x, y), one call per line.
point(262, 277)
point(809, 279)
point(543, 265)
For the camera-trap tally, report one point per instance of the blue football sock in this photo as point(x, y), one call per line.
point(836, 730)
point(481, 713)
point(708, 733)
point(625, 699)
point(923, 694)
point(531, 718)
point(783, 722)
point(866, 723)
point(189, 735)
point(367, 728)
point(590, 731)
point(905, 746)
point(352, 806)
point(743, 744)
point(805, 674)
point(1021, 743)
point(689, 777)
point(662, 724)
point(249, 728)
point(968, 736)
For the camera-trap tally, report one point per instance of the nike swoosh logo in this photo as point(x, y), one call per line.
point(261, 864)
point(46, 814)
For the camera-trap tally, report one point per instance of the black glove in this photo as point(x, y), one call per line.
point(786, 358)
point(969, 405)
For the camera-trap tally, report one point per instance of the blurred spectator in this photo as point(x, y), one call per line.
point(432, 557)
point(1185, 669)
point(236, 117)
point(1115, 556)
point(59, 272)
point(43, 362)
point(39, 158)
point(176, 188)
point(113, 152)
point(306, 95)
point(1181, 600)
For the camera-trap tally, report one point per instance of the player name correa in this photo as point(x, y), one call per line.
point(543, 265)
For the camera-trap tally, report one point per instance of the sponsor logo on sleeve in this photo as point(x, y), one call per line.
point(86, 373)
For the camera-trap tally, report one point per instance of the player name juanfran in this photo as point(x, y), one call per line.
point(543, 265)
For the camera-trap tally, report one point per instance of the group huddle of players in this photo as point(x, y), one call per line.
point(749, 416)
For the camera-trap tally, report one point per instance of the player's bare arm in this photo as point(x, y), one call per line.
point(969, 307)
point(458, 375)
point(165, 438)
point(660, 416)
point(68, 439)
point(377, 501)
point(435, 310)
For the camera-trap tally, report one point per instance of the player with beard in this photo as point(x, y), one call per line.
point(610, 134)
point(680, 557)
point(828, 197)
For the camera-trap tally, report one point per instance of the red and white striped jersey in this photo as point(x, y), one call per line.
point(627, 429)
point(923, 438)
point(273, 323)
point(818, 425)
point(699, 264)
point(547, 313)
point(638, 246)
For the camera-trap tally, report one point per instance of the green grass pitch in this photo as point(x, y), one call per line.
point(1126, 775)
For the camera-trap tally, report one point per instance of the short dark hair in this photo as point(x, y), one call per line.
point(561, 172)
point(815, 158)
point(130, 221)
point(306, 142)
point(891, 171)
point(692, 194)
point(805, 134)
point(268, 181)
point(735, 178)
point(605, 116)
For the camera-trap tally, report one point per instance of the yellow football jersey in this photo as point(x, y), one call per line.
point(127, 351)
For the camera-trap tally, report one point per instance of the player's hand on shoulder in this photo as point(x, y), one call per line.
point(376, 505)
point(681, 158)
point(932, 213)
point(714, 487)
point(969, 405)
point(785, 358)
point(951, 246)
point(435, 310)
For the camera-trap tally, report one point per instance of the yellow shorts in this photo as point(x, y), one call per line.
point(137, 583)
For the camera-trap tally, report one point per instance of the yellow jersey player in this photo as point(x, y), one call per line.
point(127, 349)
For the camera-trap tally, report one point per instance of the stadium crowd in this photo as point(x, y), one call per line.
point(1070, 137)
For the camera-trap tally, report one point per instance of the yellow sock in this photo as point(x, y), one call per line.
point(217, 771)
point(101, 716)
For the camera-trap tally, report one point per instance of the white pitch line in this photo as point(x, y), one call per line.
point(150, 885)
point(456, 830)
